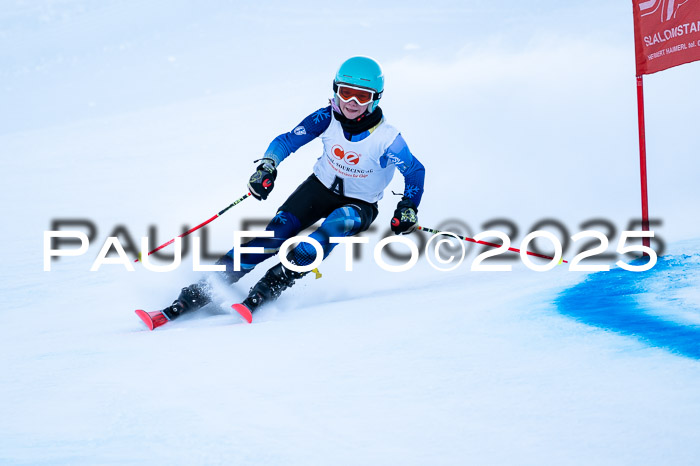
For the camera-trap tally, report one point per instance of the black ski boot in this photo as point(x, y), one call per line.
point(271, 286)
point(191, 298)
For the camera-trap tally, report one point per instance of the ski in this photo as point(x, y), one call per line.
point(152, 319)
point(244, 312)
point(155, 319)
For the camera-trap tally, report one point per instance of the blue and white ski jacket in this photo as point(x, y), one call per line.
point(365, 162)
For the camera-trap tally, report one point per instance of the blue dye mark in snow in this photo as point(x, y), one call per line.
point(651, 306)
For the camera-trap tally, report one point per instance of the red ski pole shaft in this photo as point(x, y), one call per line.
point(486, 243)
point(197, 227)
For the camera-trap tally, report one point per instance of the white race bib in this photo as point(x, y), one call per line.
point(352, 168)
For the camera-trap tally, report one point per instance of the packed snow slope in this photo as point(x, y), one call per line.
point(354, 368)
point(144, 119)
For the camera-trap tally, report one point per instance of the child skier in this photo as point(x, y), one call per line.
point(360, 152)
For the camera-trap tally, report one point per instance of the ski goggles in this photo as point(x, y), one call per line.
point(361, 96)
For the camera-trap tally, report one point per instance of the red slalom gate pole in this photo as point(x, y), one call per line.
point(643, 159)
point(197, 227)
point(486, 243)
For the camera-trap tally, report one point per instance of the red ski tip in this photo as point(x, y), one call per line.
point(244, 312)
point(152, 319)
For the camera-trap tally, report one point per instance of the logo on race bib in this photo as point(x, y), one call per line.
point(350, 158)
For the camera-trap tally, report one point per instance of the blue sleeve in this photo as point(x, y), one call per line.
point(309, 129)
point(410, 167)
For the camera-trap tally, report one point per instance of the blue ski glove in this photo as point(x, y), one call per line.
point(263, 180)
point(405, 219)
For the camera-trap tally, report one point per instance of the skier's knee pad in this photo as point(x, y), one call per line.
point(284, 224)
point(366, 213)
point(344, 221)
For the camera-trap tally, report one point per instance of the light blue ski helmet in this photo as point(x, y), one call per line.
point(361, 72)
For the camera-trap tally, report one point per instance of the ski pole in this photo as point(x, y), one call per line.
point(195, 228)
point(486, 243)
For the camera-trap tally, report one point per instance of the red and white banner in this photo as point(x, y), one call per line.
point(666, 33)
